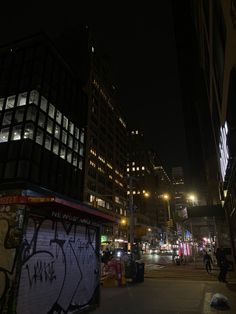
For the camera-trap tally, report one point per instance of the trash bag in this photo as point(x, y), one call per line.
point(219, 300)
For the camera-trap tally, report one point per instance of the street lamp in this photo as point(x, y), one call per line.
point(167, 198)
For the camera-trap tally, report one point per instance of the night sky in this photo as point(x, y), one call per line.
point(141, 47)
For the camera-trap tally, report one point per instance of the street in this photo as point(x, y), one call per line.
point(168, 288)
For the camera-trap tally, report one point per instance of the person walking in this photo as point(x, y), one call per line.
point(207, 260)
point(223, 265)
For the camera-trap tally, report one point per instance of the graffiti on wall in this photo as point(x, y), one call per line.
point(59, 266)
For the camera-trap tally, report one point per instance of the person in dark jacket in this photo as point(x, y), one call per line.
point(207, 260)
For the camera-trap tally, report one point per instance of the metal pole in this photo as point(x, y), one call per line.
point(131, 211)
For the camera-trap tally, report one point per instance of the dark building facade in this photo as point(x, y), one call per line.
point(49, 238)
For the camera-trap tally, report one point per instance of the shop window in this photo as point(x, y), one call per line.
point(31, 113)
point(56, 147)
point(1, 103)
point(64, 137)
point(10, 102)
point(22, 99)
point(58, 117)
point(69, 156)
point(57, 131)
point(4, 134)
point(71, 127)
point(29, 131)
point(48, 142)
point(43, 104)
point(51, 111)
point(34, 97)
point(49, 126)
point(65, 122)
point(63, 152)
point(39, 136)
point(70, 141)
point(16, 133)
point(19, 115)
point(7, 118)
point(42, 118)
point(76, 133)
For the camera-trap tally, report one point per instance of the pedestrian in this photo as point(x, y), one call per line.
point(207, 260)
point(224, 266)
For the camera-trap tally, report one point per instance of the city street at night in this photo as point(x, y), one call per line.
point(168, 288)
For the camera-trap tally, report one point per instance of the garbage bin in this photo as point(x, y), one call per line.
point(130, 270)
point(139, 272)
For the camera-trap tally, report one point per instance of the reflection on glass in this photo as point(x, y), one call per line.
point(7, 118)
point(39, 136)
point(1, 103)
point(58, 117)
point(49, 126)
point(51, 111)
point(80, 163)
point(56, 147)
point(81, 150)
point(43, 104)
point(10, 101)
point(4, 135)
point(77, 133)
point(42, 118)
point(69, 156)
point(29, 131)
point(70, 141)
point(64, 137)
point(16, 133)
point(71, 127)
point(34, 97)
point(75, 161)
point(82, 137)
point(57, 131)
point(19, 115)
point(63, 152)
point(76, 146)
point(65, 122)
point(48, 142)
point(22, 99)
point(31, 113)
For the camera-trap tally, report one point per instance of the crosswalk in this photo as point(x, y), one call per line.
point(153, 266)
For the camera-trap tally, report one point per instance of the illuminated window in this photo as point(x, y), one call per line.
point(31, 113)
point(39, 136)
point(127, 169)
point(80, 163)
point(34, 97)
point(42, 118)
point(133, 168)
point(43, 104)
point(63, 152)
point(69, 156)
point(4, 135)
point(133, 163)
point(1, 103)
point(65, 122)
point(56, 147)
point(143, 168)
point(57, 131)
point(58, 117)
point(70, 141)
point(136, 132)
point(49, 126)
point(22, 99)
point(92, 164)
point(81, 151)
point(7, 118)
point(64, 137)
point(77, 133)
point(29, 131)
point(128, 192)
point(16, 133)
point(19, 115)
point(75, 161)
point(10, 102)
point(82, 137)
point(137, 168)
point(71, 127)
point(48, 142)
point(51, 111)
point(76, 146)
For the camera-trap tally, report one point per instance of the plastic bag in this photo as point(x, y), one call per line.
point(219, 299)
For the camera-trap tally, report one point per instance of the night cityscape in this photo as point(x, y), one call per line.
point(117, 158)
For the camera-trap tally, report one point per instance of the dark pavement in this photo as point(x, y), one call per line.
point(171, 289)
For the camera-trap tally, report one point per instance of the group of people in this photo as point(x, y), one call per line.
point(222, 263)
